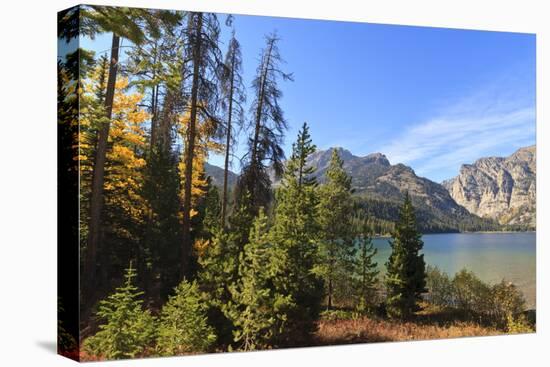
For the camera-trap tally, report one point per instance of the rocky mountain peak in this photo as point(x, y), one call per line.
point(503, 188)
point(376, 158)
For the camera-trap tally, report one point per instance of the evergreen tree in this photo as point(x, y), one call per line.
point(258, 308)
point(212, 211)
point(268, 127)
point(122, 22)
point(365, 271)
point(128, 330)
point(406, 274)
point(219, 270)
point(296, 229)
point(202, 33)
point(233, 98)
point(335, 263)
point(161, 231)
point(183, 326)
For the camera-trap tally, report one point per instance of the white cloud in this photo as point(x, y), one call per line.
point(493, 121)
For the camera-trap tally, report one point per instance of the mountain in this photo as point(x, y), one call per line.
point(379, 188)
point(502, 188)
point(216, 174)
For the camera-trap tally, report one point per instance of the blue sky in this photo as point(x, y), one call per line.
point(431, 98)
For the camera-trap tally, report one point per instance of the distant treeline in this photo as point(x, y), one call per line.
point(381, 214)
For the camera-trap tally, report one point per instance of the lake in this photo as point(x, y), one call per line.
point(491, 256)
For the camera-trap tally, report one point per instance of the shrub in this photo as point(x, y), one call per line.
point(470, 293)
point(183, 326)
point(519, 325)
point(128, 329)
point(440, 287)
point(508, 303)
point(501, 304)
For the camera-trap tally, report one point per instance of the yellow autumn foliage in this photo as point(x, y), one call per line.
point(203, 145)
point(127, 143)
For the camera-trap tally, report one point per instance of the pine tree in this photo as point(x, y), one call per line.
point(162, 228)
point(122, 22)
point(203, 47)
point(128, 330)
point(335, 263)
point(233, 98)
point(296, 230)
point(268, 127)
point(406, 274)
point(183, 326)
point(218, 272)
point(365, 271)
point(258, 307)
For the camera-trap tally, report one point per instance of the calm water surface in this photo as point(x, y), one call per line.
point(492, 256)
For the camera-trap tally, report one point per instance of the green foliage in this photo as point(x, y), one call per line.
point(296, 230)
point(519, 325)
point(241, 219)
point(183, 326)
point(128, 330)
point(66, 340)
point(217, 272)
point(365, 273)
point(470, 293)
point(501, 305)
point(337, 251)
point(406, 276)
point(258, 307)
point(161, 227)
point(334, 315)
point(440, 287)
point(266, 139)
point(209, 212)
point(382, 211)
point(507, 302)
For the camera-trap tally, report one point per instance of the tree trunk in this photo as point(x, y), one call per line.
point(228, 142)
point(154, 102)
point(329, 295)
point(190, 149)
point(96, 202)
point(261, 93)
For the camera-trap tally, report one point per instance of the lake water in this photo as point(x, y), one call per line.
point(491, 256)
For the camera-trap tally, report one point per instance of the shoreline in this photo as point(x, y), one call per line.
point(382, 236)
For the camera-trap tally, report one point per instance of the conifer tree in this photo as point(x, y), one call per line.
point(162, 227)
point(365, 270)
point(258, 308)
point(128, 330)
point(296, 229)
point(233, 98)
point(268, 126)
point(123, 23)
point(335, 263)
point(202, 33)
point(406, 274)
point(183, 326)
point(218, 272)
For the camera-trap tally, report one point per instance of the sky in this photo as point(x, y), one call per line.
point(431, 98)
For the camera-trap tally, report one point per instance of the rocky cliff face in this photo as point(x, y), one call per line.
point(499, 188)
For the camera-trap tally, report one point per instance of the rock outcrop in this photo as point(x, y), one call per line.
point(500, 188)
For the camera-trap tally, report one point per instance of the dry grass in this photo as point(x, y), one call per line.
point(429, 324)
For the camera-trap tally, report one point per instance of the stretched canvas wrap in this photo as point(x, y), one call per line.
point(238, 183)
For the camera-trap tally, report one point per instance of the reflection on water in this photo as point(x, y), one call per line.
point(492, 256)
